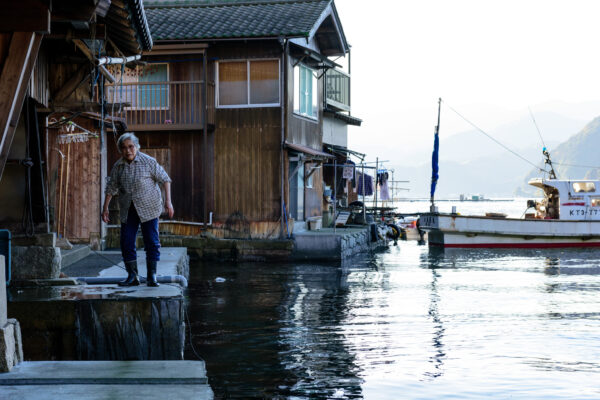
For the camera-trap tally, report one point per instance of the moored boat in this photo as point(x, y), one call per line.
point(568, 215)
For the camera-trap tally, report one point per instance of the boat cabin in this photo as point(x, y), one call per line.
point(568, 199)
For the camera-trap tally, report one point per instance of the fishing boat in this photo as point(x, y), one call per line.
point(568, 215)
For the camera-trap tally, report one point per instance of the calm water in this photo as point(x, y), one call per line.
point(407, 323)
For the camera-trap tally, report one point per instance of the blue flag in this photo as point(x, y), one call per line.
point(435, 168)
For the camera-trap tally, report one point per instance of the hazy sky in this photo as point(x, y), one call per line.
point(488, 59)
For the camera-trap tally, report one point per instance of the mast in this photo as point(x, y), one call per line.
point(435, 157)
point(549, 162)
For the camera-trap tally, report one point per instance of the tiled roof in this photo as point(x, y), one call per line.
point(211, 19)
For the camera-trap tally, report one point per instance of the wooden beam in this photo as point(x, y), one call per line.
point(109, 77)
point(84, 49)
point(88, 53)
point(25, 16)
point(80, 106)
point(75, 81)
point(22, 53)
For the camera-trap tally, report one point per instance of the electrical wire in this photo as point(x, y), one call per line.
point(187, 318)
point(493, 139)
point(575, 165)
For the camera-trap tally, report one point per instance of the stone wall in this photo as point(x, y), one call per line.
point(35, 257)
point(355, 243)
point(35, 262)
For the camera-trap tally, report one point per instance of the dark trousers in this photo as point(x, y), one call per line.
point(129, 232)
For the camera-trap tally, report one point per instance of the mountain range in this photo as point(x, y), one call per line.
point(473, 163)
point(576, 158)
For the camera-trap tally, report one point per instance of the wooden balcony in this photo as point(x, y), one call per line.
point(156, 106)
point(337, 90)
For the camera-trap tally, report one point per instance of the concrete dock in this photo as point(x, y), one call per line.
point(83, 380)
point(327, 244)
point(63, 320)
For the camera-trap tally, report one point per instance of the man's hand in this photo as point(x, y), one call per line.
point(169, 209)
point(105, 216)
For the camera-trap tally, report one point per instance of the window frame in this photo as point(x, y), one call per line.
point(248, 104)
point(315, 93)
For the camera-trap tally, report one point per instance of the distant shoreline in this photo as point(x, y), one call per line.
point(455, 200)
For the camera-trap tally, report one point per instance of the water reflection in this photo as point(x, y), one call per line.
point(411, 322)
point(286, 319)
point(437, 360)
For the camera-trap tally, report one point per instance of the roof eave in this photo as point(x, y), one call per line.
point(140, 22)
point(330, 10)
point(230, 38)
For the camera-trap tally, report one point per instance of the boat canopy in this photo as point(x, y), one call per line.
point(570, 187)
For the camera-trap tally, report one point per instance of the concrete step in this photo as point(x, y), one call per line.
point(104, 392)
point(106, 373)
point(78, 252)
point(131, 380)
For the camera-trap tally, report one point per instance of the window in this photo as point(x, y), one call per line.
point(305, 92)
point(595, 201)
point(144, 87)
point(579, 187)
point(251, 83)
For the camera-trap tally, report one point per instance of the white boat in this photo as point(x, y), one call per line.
point(567, 216)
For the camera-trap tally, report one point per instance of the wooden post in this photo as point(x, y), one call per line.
point(334, 193)
point(22, 53)
point(205, 140)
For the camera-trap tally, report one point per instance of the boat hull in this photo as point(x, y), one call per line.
point(453, 230)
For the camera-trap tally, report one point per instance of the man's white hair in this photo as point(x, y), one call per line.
point(128, 136)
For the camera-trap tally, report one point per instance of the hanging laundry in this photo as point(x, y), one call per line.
point(368, 184)
point(382, 177)
point(353, 179)
point(384, 191)
point(348, 172)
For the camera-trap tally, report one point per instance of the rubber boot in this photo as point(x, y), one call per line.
point(151, 275)
point(132, 272)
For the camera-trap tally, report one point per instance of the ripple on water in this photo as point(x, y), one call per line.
point(408, 323)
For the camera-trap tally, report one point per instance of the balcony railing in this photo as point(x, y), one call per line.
point(149, 106)
point(337, 89)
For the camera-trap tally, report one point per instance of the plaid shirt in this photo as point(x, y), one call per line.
point(138, 183)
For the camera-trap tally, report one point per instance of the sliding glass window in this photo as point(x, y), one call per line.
point(249, 83)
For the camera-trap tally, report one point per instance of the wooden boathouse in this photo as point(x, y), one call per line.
point(54, 127)
point(241, 102)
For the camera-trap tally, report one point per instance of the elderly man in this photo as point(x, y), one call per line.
point(136, 178)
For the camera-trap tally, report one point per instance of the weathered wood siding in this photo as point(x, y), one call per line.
point(247, 177)
point(59, 74)
point(313, 197)
point(247, 164)
point(38, 85)
point(181, 154)
point(81, 197)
